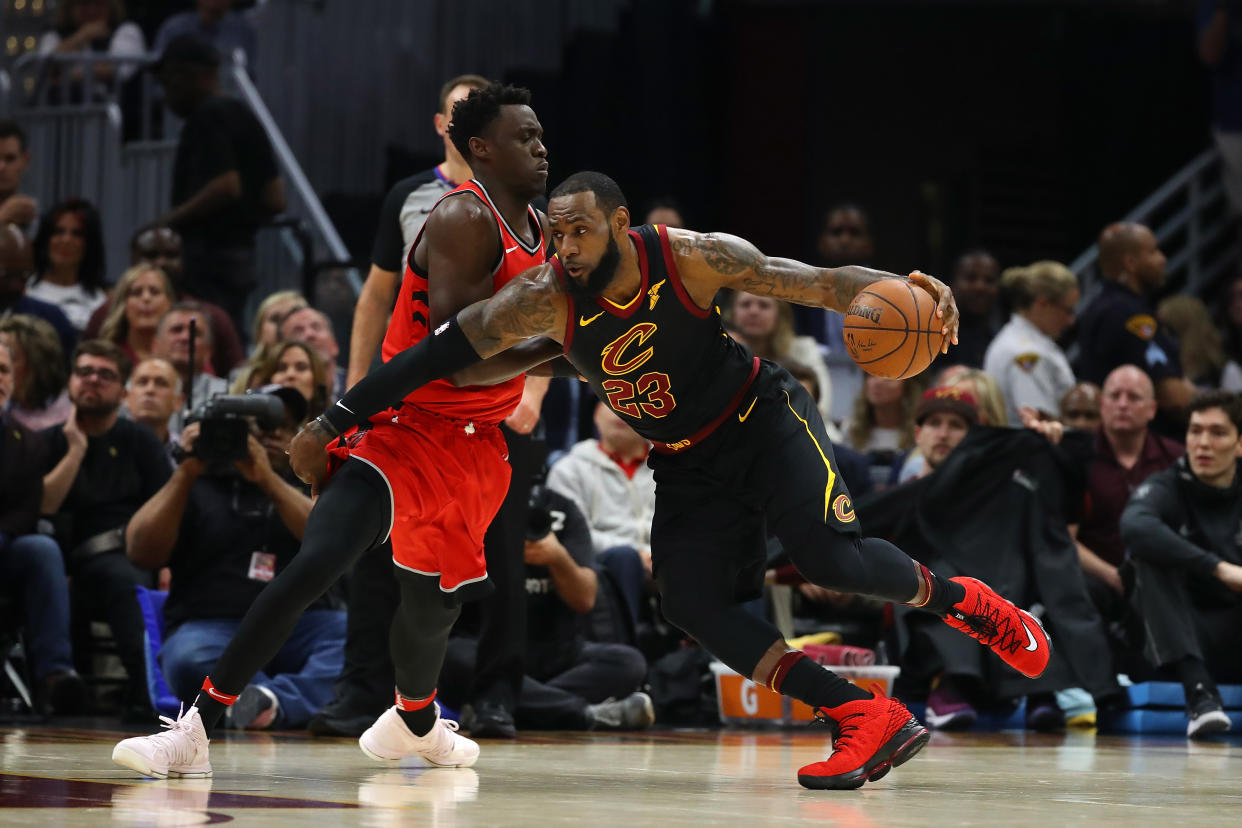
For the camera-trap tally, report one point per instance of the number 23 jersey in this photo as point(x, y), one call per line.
point(665, 365)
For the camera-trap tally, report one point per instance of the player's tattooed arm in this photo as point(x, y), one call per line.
point(531, 305)
point(710, 261)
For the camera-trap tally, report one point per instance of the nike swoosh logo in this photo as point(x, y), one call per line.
point(583, 321)
point(741, 418)
point(510, 249)
point(1031, 644)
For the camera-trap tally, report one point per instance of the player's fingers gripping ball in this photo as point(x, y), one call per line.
point(891, 329)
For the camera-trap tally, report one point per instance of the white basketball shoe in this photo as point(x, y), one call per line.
point(178, 751)
point(389, 739)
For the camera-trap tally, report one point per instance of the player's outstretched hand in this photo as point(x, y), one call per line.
point(307, 456)
point(946, 305)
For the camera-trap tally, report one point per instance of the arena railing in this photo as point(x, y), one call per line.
point(100, 130)
point(1189, 215)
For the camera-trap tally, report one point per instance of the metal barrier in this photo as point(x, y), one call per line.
point(99, 129)
point(1190, 217)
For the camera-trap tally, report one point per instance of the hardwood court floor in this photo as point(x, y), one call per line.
point(62, 776)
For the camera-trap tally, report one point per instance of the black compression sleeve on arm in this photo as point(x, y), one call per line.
point(444, 352)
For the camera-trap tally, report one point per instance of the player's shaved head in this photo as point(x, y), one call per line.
point(608, 195)
point(1118, 240)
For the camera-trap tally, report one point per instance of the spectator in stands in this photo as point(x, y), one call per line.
point(1080, 407)
point(225, 535)
point(313, 327)
point(69, 260)
point(570, 684)
point(99, 26)
point(100, 468)
point(1203, 356)
point(214, 22)
point(225, 180)
point(153, 395)
point(1119, 326)
point(401, 219)
point(882, 425)
point(1126, 452)
point(39, 397)
point(1229, 318)
point(141, 297)
point(16, 271)
point(663, 210)
point(31, 566)
point(1024, 358)
point(845, 239)
point(15, 206)
point(766, 326)
point(976, 286)
point(271, 315)
point(293, 365)
point(993, 409)
point(1220, 49)
point(172, 342)
point(1181, 529)
point(265, 333)
point(989, 508)
point(161, 248)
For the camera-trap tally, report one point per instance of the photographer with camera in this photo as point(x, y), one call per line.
point(570, 683)
point(228, 520)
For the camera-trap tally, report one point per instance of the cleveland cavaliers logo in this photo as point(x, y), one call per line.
point(614, 359)
point(843, 509)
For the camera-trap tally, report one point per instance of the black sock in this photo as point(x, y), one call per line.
point(419, 721)
point(944, 594)
point(210, 711)
point(812, 684)
point(1193, 672)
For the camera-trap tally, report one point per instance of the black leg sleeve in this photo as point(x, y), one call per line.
point(419, 635)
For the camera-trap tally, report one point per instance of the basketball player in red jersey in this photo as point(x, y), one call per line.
point(739, 448)
point(430, 474)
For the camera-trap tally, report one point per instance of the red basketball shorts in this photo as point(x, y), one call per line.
point(448, 479)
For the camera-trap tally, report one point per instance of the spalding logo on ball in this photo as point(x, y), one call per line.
point(891, 329)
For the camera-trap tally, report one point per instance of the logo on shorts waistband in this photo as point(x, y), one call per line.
point(843, 509)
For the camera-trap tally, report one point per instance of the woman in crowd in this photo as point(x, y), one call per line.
point(1029, 367)
point(1203, 355)
point(992, 407)
point(141, 298)
point(266, 332)
point(766, 326)
point(294, 365)
point(69, 260)
point(882, 423)
point(40, 380)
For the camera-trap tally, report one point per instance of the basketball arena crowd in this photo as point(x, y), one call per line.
point(1078, 454)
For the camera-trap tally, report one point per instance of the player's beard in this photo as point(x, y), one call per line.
point(601, 275)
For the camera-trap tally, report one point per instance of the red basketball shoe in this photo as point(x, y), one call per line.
point(1013, 634)
point(874, 736)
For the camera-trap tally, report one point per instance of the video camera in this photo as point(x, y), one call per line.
point(224, 422)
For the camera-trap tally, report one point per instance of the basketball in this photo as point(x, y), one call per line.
point(891, 329)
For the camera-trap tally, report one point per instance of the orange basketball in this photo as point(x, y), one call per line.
point(891, 329)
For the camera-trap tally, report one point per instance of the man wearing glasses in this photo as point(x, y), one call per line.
point(100, 469)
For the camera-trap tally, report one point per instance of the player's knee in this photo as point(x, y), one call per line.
point(834, 563)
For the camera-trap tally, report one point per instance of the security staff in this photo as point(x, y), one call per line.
point(1024, 358)
point(1119, 327)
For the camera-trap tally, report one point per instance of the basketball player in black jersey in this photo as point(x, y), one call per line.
point(739, 448)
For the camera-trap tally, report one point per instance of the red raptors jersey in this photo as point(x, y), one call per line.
point(411, 321)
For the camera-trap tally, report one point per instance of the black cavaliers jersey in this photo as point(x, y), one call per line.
point(665, 365)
